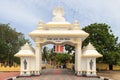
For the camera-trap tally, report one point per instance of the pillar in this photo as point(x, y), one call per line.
point(94, 67)
point(78, 58)
point(21, 66)
point(38, 54)
point(87, 71)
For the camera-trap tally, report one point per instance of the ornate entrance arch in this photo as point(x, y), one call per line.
point(57, 31)
point(77, 42)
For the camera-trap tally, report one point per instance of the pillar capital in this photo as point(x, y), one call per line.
point(37, 44)
point(79, 44)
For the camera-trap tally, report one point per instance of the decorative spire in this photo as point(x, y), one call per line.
point(58, 11)
point(90, 51)
point(26, 44)
point(58, 14)
point(40, 22)
point(90, 47)
point(76, 25)
point(40, 25)
point(26, 51)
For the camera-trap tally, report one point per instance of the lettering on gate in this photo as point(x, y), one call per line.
point(58, 39)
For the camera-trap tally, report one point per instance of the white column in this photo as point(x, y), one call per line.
point(38, 54)
point(28, 65)
point(94, 66)
point(21, 66)
point(78, 58)
point(88, 67)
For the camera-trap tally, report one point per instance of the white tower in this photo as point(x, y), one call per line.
point(89, 56)
point(27, 60)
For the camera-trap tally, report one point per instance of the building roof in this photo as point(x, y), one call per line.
point(90, 51)
point(26, 50)
point(58, 27)
point(42, 33)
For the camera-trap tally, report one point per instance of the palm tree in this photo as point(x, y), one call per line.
point(45, 54)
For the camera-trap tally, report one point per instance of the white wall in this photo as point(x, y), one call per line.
point(84, 64)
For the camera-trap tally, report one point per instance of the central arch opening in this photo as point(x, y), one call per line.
point(58, 56)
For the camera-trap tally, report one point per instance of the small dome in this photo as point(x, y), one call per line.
point(90, 51)
point(25, 51)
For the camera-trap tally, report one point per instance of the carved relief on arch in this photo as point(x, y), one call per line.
point(75, 40)
point(91, 64)
point(40, 40)
point(25, 63)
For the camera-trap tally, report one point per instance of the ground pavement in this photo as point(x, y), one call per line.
point(114, 75)
point(6, 75)
point(57, 74)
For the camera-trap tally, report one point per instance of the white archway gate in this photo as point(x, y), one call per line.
point(58, 31)
point(71, 41)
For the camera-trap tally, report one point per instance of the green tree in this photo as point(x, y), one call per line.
point(103, 39)
point(45, 54)
point(51, 55)
point(10, 43)
point(58, 58)
point(62, 58)
point(69, 48)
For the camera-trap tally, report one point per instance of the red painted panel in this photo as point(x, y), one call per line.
point(57, 48)
point(61, 48)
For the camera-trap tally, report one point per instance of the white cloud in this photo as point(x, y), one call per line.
point(26, 14)
point(17, 12)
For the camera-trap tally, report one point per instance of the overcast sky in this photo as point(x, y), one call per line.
point(24, 15)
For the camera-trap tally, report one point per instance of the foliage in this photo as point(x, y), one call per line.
point(62, 58)
point(69, 48)
point(45, 54)
point(105, 42)
point(10, 43)
point(58, 58)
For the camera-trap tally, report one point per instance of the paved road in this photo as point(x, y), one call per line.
point(57, 74)
point(6, 75)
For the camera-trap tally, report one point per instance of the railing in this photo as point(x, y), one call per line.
point(15, 67)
